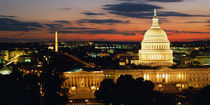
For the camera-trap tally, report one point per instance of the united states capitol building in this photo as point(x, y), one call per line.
point(155, 47)
point(155, 51)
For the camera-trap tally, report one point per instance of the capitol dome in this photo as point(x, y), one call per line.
point(155, 35)
point(155, 47)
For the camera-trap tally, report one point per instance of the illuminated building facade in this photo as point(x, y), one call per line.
point(82, 84)
point(155, 47)
point(10, 56)
point(5, 71)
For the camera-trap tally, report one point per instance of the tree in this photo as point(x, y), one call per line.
point(162, 99)
point(106, 91)
point(127, 91)
point(51, 81)
point(32, 89)
point(11, 91)
point(203, 97)
point(1, 65)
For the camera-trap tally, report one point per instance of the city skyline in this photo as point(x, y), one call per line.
point(104, 20)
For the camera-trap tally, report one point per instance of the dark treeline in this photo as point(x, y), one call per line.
point(127, 91)
point(51, 81)
point(19, 89)
point(130, 91)
point(32, 89)
point(203, 97)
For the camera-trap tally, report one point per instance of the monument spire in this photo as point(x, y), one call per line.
point(56, 41)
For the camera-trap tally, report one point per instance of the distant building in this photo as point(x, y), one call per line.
point(32, 58)
point(101, 54)
point(125, 59)
point(5, 71)
point(203, 58)
point(10, 56)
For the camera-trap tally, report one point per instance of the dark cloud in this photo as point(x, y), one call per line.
point(6, 16)
point(66, 8)
point(102, 21)
point(178, 14)
point(92, 13)
point(207, 21)
point(155, 0)
point(163, 20)
point(85, 30)
point(54, 27)
point(78, 28)
point(62, 28)
point(166, 0)
point(196, 22)
point(8, 24)
point(98, 31)
point(130, 7)
point(63, 21)
point(59, 26)
point(137, 10)
point(187, 32)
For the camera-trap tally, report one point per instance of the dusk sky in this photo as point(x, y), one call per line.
point(111, 20)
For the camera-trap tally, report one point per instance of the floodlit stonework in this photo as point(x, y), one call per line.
point(82, 84)
point(155, 47)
